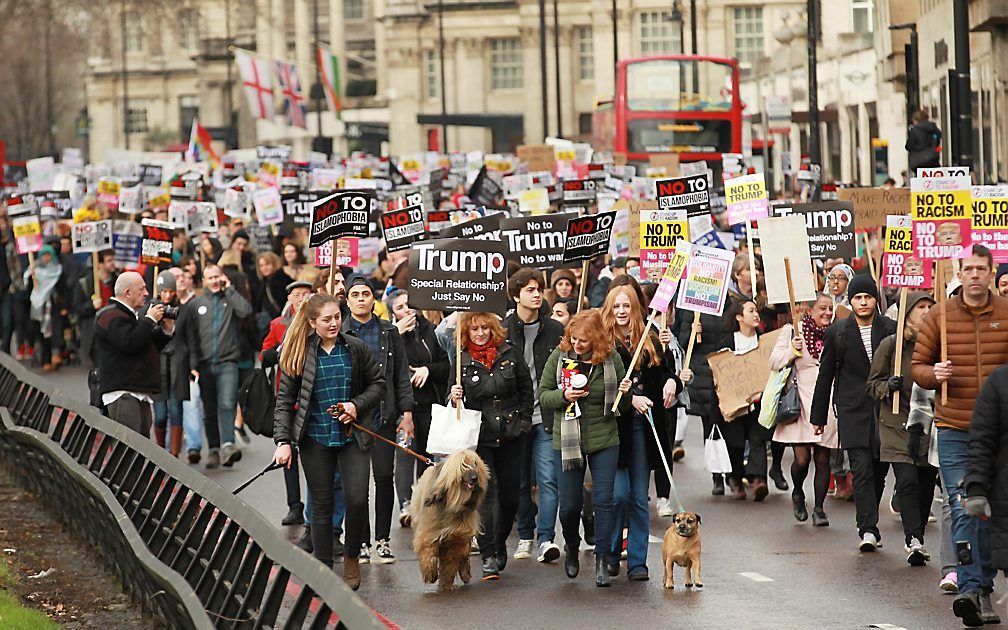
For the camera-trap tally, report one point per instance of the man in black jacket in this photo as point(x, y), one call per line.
point(843, 374)
point(128, 347)
point(85, 302)
point(923, 143)
point(532, 331)
point(387, 349)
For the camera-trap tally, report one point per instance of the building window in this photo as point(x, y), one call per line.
point(659, 33)
point(189, 29)
point(244, 20)
point(863, 20)
point(748, 33)
point(505, 64)
point(586, 53)
point(136, 116)
point(133, 33)
point(188, 111)
point(432, 74)
point(353, 9)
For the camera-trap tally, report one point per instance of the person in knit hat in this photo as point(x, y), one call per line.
point(1001, 280)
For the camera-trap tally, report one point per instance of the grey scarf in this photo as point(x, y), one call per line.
point(570, 426)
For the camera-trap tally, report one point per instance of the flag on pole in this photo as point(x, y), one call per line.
point(329, 69)
point(200, 148)
point(290, 92)
point(257, 82)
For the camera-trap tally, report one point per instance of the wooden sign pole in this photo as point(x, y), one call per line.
point(583, 285)
point(790, 292)
point(31, 265)
point(692, 338)
point(458, 363)
point(752, 257)
point(871, 259)
point(900, 323)
point(94, 270)
point(332, 267)
point(638, 350)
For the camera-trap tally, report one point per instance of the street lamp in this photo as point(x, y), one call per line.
point(910, 52)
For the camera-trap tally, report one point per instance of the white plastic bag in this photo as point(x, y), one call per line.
point(716, 453)
point(449, 434)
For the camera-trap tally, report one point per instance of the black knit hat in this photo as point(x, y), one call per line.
point(862, 283)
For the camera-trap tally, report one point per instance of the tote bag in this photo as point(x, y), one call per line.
point(716, 453)
point(449, 434)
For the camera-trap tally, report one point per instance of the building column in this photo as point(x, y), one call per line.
point(470, 85)
point(532, 79)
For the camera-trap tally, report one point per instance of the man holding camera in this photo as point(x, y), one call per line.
point(127, 347)
point(211, 338)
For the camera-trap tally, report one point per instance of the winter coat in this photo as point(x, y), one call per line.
point(393, 363)
point(547, 339)
point(128, 350)
point(271, 294)
point(714, 336)
point(923, 141)
point(806, 369)
point(977, 345)
point(649, 381)
point(214, 334)
point(599, 429)
point(422, 350)
point(843, 373)
point(503, 394)
point(987, 460)
point(367, 386)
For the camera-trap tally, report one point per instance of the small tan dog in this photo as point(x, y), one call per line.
point(682, 546)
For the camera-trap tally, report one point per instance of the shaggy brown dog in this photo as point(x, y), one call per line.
point(445, 506)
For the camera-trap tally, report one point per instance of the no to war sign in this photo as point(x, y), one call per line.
point(588, 236)
point(942, 214)
point(404, 227)
point(156, 247)
point(537, 241)
point(705, 284)
point(691, 194)
point(659, 232)
point(461, 275)
point(482, 228)
point(746, 199)
point(342, 214)
point(990, 219)
point(91, 236)
point(900, 267)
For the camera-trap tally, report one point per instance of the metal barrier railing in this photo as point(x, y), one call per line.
point(237, 570)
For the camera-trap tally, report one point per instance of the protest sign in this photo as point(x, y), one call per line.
point(539, 157)
point(746, 198)
point(460, 275)
point(41, 172)
point(151, 174)
point(942, 171)
point(131, 200)
point(830, 227)
point(402, 228)
point(990, 219)
point(484, 189)
point(588, 236)
point(91, 236)
point(668, 161)
point(741, 378)
point(194, 216)
point(237, 203)
point(298, 205)
point(659, 231)
point(538, 241)
point(705, 284)
point(786, 238)
point(619, 244)
point(684, 193)
point(873, 205)
point(326, 178)
point(127, 239)
point(515, 184)
point(27, 233)
point(579, 191)
point(900, 268)
point(108, 191)
point(341, 214)
point(534, 201)
point(482, 228)
point(268, 206)
point(156, 248)
point(670, 279)
point(347, 252)
point(942, 216)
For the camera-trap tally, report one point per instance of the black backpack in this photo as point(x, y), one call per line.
point(257, 401)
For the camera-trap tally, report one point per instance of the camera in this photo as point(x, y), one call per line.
point(170, 312)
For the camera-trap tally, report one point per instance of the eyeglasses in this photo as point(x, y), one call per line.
point(837, 278)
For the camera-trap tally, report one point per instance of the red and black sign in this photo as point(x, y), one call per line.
point(579, 191)
point(156, 247)
point(403, 227)
point(340, 215)
point(689, 193)
point(588, 236)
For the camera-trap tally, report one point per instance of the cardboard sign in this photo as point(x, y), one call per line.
point(588, 236)
point(830, 227)
point(483, 228)
point(741, 378)
point(684, 193)
point(786, 237)
point(705, 285)
point(27, 233)
point(347, 253)
point(127, 240)
point(746, 199)
point(298, 206)
point(670, 279)
point(537, 242)
point(534, 201)
point(460, 275)
point(402, 228)
point(538, 157)
point(990, 219)
point(668, 161)
point(91, 236)
point(342, 214)
point(900, 268)
point(942, 214)
point(156, 248)
point(660, 230)
point(873, 205)
point(268, 206)
point(579, 191)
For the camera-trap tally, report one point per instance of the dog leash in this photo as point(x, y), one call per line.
point(425, 460)
point(272, 466)
point(668, 471)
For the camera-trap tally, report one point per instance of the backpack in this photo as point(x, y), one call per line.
point(257, 402)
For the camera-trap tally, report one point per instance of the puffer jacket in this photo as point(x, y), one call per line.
point(987, 460)
point(977, 345)
point(502, 394)
point(713, 337)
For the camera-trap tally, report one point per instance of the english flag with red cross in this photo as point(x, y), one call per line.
point(257, 82)
point(290, 92)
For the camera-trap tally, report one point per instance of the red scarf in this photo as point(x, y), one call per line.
point(485, 354)
point(813, 335)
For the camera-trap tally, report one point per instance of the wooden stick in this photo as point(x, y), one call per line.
point(752, 257)
point(790, 289)
point(31, 265)
point(153, 281)
point(871, 259)
point(900, 319)
point(94, 271)
point(942, 302)
point(694, 335)
point(458, 363)
point(583, 286)
point(637, 353)
point(332, 267)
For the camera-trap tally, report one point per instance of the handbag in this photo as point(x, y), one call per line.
point(771, 396)
point(716, 453)
point(450, 434)
point(789, 407)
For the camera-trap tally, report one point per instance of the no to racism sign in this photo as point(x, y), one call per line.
point(900, 267)
point(342, 214)
point(91, 236)
point(461, 275)
point(942, 214)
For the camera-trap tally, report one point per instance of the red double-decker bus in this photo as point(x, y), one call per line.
point(683, 104)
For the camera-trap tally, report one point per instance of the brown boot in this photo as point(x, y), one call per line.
point(351, 572)
point(159, 437)
point(175, 441)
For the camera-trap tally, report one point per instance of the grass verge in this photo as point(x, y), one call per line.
point(12, 614)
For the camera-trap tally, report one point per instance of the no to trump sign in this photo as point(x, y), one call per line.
point(659, 232)
point(900, 268)
point(461, 275)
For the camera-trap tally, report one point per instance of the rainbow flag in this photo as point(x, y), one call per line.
point(329, 69)
point(200, 148)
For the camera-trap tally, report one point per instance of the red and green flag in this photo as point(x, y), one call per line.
point(329, 69)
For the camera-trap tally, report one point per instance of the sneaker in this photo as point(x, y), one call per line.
point(916, 556)
point(664, 507)
point(490, 570)
point(949, 583)
point(405, 519)
point(474, 547)
point(305, 542)
point(967, 608)
point(549, 551)
point(365, 554)
point(229, 454)
point(193, 455)
point(383, 552)
point(213, 460)
point(819, 518)
point(931, 517)
point(678, 452)
point(243, 434)
point(295, 516)
point(894, 506)
point(869, 542)
point(524, 550)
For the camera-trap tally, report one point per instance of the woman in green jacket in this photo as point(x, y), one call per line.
point(579, 386)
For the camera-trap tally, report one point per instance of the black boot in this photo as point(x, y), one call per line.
point(571, 564)
point(588, 521)
point(295, 516)
point(777, 475)
point(613, 568)
point(967, 608)
point(601, 573)
point(800, 510)
point(718, 489)
point(305, 542)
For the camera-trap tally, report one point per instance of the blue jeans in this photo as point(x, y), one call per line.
point(192, 418)
point(630, 503)
point(219, 385)
point(570, 484)
point(979, 574)
point(167, 412)
point(339, 506)
point(539, 453)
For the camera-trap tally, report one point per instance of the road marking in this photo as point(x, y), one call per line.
point(653, 539)
point(756, 577)
point(886, 626)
